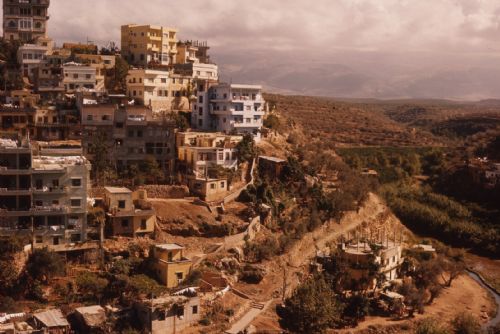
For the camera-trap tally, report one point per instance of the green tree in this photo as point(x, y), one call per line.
point(313, 308)
point(91, 286)
point(8, 277)
point(100, 161)
point(247, 150)
point(272, 122)
point(118, 75)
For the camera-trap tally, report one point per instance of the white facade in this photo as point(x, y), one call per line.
point(230, 108)
point(78, 77)
point(29, 57)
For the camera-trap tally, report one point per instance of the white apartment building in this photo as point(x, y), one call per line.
point(158, 90)
point(78, 77)
point(30, 56)
point(229, 108)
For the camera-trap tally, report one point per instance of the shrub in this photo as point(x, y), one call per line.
point(91, 286)
point(44, 264)
point(252, 274)
point(430, 326)
point(465, 323)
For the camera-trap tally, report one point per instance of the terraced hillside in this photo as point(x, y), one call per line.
point(388, 123)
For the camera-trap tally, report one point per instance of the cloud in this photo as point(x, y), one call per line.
point(366, 48)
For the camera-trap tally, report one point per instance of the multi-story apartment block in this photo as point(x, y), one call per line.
point(159, 90)
point(49, 79)
point(101, 63)
point(133, 134)
point(148, 46)
point(194, 62)
point(79, 77)
point(17, 120)
point(229, 108)
point(30, 56)
point(25, 20)
point(127, 212)
point(43, 197)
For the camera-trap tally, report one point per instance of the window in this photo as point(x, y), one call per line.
point(76, 182)
point(222, 184)
point(75, 76)
point(76, 202)
point(195, 309)
point(143, 224)
point(164, 80)
point(89, 117)
point(38, 239)
point(200, 99)
point(124, 222)
point(88, 76)
point(55, 183)
point(179, 275)
point(212, 186)
point(200, 111)
point(121, 204)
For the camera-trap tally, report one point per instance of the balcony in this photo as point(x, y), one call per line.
point(50, 190)
point(14, 192)
point(53, 209)
point(4, 170)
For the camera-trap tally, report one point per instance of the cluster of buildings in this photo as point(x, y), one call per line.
point(165, 314)
point(71, 104)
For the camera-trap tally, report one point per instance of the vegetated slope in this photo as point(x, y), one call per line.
point(388, 123)
point(349, 123)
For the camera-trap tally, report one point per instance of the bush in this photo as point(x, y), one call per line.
point(259, 251)
point(9, 305)
point(91, 286)
point(44, 264)
point(252, 274)
point(465, 323)
point(430, 326)
point(313, 308)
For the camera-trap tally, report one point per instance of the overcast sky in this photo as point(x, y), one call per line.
point(342, 48)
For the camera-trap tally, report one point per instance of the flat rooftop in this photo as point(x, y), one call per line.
point(51, 163)
point(274, 159)
point(118, 190)
point(169, 247)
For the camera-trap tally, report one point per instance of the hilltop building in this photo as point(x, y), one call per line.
point(148, 46)
point(25, 20)
point(229, 108)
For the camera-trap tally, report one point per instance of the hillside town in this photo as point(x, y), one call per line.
point(140, 193)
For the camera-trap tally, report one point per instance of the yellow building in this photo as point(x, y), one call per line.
point(148, 45)
point(170, 264)
point(159, 90)
point(128, 214)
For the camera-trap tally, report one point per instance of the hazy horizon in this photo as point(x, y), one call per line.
point(385, 49)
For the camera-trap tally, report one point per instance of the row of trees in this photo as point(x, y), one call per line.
point(435, 215)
